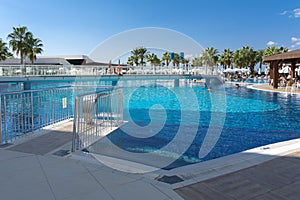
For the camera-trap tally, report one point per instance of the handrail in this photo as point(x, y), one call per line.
point(25, 112)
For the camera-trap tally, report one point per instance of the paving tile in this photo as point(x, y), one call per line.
point(22, 176)
point(269, 196)
point(112, 178)
point(200, 191)
point(19, 163)
point(20, 190)
point(8, 155)
point(291, 191)
point(235, 185)
point(73, 186)
point(136, 191)
point(96, 195)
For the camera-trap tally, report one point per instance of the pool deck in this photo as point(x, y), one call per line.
point(278, 178)
point(35, 167)
point(272, 172)
point(269, 88)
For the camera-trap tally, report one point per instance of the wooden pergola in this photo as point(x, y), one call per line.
point(291, 58)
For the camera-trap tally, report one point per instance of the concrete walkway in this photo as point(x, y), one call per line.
point(37, 173)
point(42, 175)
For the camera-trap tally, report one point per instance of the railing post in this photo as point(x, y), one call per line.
point(5, 120)
point(74, 137)
point(32, 110)
point(0, 119)
point(110, 106)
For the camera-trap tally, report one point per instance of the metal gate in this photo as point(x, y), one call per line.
point(95, 115)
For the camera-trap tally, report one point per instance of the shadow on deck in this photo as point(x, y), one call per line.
point(48, 142)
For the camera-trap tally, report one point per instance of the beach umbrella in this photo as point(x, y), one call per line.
point(228, 70)
point(259, 71)
point(286, 70)
point(244, 70)
point(236, 69)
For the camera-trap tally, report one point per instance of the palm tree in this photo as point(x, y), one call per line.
point(226, 58)
point(17, 41)
point(270, 51)
point(153, 59)
point(210, 57)
point(132, 60)
point(245, 57)
point(260, 57)
point(139, 54)
point(33, 47)
point(135, 56)
point(142, 55)
point(166, 57)
point(24, 44)
point(197, 61)
point(176, 59)
point(4, 51)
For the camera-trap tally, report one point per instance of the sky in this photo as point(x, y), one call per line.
point(73, 27)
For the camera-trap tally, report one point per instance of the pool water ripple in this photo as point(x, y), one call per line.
point(253, 118)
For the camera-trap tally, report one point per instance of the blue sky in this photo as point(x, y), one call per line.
point(77, 27)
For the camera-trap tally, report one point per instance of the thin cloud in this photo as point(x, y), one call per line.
point(295, 42)
point(284, 12)
point(294, 39)
point(271, 43)
point(296, 12)
point(291, 13)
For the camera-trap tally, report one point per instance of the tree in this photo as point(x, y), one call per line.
point(33, 47)
point(245, 57)
point(185, 61)
point(270, 51)
point(24, 44)
point(138, 55)
point(135, 56)
point(166, 57)
point(176, 59)
point(4, 51)
point(226, 58)
point(142, 55)
point(260, 57)
point(210, 56)
point(131, 61)
point(17, 41)
point(197, 61)
point(153, 59)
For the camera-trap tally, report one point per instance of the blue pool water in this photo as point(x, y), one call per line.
point(240, 119)
point(245, 119)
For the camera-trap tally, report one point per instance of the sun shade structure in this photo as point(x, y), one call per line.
point(291, 58)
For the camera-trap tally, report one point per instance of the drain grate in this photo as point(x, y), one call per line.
point(61, 153)
point(5, 145)
point(170, 179)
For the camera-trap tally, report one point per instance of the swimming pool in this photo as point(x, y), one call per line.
point(250, 119)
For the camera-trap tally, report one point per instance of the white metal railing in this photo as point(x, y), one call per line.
point(25, 112)
point(95, 114)
point(93, 70)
